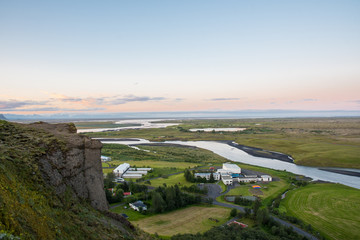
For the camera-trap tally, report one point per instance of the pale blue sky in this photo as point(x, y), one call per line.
point(179, 55)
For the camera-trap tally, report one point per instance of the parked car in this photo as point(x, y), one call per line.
point(119, 180)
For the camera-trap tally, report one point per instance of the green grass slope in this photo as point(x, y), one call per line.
point(31, 210)
point(332, 209)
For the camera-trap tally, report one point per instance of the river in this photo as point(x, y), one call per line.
point(238, 155)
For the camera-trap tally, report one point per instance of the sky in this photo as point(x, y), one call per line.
point(202, 55)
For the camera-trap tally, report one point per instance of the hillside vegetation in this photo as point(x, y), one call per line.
point(29, 207)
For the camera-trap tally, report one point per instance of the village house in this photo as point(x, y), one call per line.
point(138, 205)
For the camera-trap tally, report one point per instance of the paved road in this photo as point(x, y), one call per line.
point(214, 191)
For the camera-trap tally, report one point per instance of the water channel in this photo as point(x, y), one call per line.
point(238, 155)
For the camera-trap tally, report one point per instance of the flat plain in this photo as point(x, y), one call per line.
point(325, 142)
point(332, 209)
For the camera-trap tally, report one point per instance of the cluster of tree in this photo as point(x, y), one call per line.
point(109, 180)
point(274, 227)
point(132, 187)
point(170, 198)
point(299, 182)
point(195, 189)
point(243, 201)
point(181, 129)
point(116, 196)
point(190, 177)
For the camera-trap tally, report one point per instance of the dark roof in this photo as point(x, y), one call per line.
point(124, 215)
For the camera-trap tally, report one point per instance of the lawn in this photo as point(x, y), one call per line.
point(188, 220)
point(133, 215)
point(332, 209)
point(171, 180)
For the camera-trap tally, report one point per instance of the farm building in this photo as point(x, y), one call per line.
point(136, 172)
point(135, 175)
point(125, 171)
point(138, 205)
point(121, 169)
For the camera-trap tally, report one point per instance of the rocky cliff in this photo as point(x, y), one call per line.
point(76, 165)
point(51, 186)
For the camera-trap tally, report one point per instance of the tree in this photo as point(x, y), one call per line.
point(170, 198)
point(119, 195)
point(257, 205)
point(211, 180)
point(158, 203)
point(233, 212)
point(109, 180)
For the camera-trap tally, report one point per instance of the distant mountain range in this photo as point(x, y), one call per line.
point(184, 115)
point(2, 117)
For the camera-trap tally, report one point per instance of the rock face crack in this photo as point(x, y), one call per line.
point(78, 167)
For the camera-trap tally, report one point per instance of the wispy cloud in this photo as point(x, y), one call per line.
point(13, 104)
point(54, 109)
point(72, 99)
point(132, 98)
point(224, 99)
point(58, 102)
point(309, 100)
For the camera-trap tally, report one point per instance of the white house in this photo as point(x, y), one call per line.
point(266, 178)
point(138, 205)
point(105, 159)
point(121, 169)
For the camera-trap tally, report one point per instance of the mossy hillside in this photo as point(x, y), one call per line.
point(28, 207)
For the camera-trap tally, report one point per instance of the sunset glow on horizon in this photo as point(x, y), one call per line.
point(154, 56)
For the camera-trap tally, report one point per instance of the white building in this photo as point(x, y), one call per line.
point(231, 168)
point(207, 175)
point(136, 172)
point(131, 175)
point(266, 178)
point(227, 179)
point(105, 159)
point(121, 169)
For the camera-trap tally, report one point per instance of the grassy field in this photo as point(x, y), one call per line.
point(188, 220)
point(332, 142)
point(332, 209)
point(120, 152)
point(171, 180)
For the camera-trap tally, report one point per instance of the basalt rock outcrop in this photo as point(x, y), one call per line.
point(51, 186)
point(73, 164)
